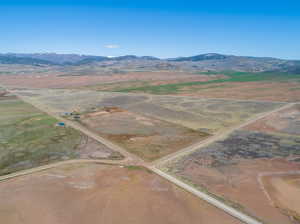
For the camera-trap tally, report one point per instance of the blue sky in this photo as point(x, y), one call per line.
point(159, 28)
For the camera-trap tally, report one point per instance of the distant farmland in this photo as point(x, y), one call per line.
point(30, 138)
point(231, 86)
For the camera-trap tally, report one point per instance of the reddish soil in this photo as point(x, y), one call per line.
point(102, 194)
point(2, 93)
point(284, 191)
point(54, 81)
point(239, 184)
point(269, 91)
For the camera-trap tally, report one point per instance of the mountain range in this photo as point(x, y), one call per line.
point(210, 61)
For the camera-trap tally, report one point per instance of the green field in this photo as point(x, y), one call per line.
point(231, 76)
point(29, 137)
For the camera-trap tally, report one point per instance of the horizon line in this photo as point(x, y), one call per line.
point(161, 58)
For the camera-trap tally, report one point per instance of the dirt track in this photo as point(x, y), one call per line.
point(218, 136)
point(85, 131)
point(136, 160)
point(281, 188)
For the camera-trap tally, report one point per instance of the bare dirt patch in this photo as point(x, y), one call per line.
point(147, 137)
point(102, 194)
point(283, 190)
point(91, 149)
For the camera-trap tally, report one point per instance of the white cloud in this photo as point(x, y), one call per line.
point(112, 46)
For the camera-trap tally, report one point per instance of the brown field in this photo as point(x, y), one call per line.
point(147, 137)
point(284, 191)
point(287, 121)
point(238, 185)
point(102, 194)
point(231, 168)
point(208, 115)
point(100, 82)
point(269, 91)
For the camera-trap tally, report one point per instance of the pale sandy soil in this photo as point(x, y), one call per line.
point(101, 194)
point(239, 183)
point(284, 191)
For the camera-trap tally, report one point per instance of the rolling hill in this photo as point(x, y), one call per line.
point(202, 62)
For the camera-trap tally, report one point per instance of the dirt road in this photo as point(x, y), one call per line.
point(218, 136)
point(53, 165)
point(132, 159)
point(233, 212)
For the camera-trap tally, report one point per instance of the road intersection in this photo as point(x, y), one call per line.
point(131, 159)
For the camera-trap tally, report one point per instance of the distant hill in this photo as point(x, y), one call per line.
point(52, 57)
point(72, 59)
point(201, 57)
point(219, 62)
point(23, 60)
point(201, 62)
point(95, 59)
